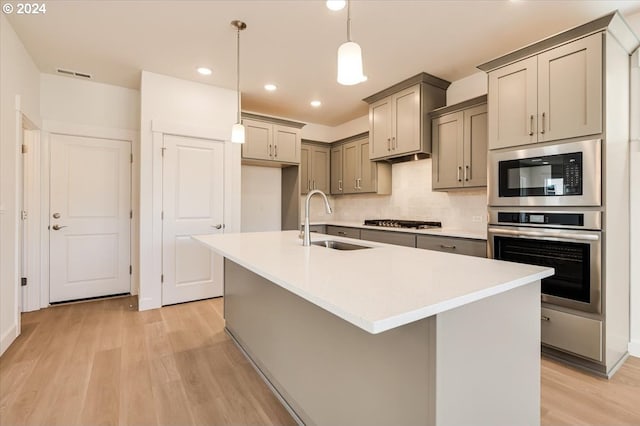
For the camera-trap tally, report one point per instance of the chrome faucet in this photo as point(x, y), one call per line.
point(306, 237)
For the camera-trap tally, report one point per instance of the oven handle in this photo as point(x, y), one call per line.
point(547, 234)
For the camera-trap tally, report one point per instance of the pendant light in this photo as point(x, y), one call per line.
point(350, 58)
point(237, 131)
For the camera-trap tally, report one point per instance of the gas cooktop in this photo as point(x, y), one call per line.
point(397, 223)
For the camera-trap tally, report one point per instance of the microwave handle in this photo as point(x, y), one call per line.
point(547, 234)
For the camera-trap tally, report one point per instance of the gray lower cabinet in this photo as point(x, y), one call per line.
point(343, 231)
point(465, 246)
point(579, 335)
point(321, 229)
point(389, 237)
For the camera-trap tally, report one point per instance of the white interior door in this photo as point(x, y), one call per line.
point(89, 217)
point(193, 203)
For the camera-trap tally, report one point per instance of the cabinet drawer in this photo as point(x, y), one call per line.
point(579, 335)
point(342, 231)
point(322, 229)
point(465, 246)
point(389, 237)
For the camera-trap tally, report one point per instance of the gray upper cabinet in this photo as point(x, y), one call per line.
point(554, 95)
point(337, 182)
point(314, 168)
point(270, 140)
point(398, 116)
point(460, 145)
point(359, 174)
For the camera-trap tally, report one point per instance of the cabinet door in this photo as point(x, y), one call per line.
point(336, 170)
point(305, 169)
point(464, 246)
point(447, 141)
point(407, 121)
point(475, 146)
point(350, 167)
point(570, 90)
point(320, 168)
point(286, 144)
point(380, 128)
point(367, 169)
point(259, 140)
point(513, 104)
point(389, 237)
point(342, 231)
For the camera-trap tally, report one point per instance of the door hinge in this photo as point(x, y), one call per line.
point(24, 148)
point(162, 215)
point(163, 149)
point(130, 214)
point(162, 278)
point(131, 158)
point(23, 281)
point(130, 270)
point(24, 215)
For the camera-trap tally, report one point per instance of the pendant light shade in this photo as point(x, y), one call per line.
point(350, 64)
point(350, 58)
point(237, 131)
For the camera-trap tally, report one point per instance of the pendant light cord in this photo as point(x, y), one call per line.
point(348, 20)
point(238, 71)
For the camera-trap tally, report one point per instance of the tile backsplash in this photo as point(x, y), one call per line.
point(411, 198)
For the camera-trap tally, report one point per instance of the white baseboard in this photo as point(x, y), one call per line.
point(7, 338)
point(634, 348)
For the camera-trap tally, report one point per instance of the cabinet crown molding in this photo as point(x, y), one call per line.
point(423, 77)
point(612, 22)
point(459, 106)
point(274, 120)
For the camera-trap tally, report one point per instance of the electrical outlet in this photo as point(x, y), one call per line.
point(476, 219)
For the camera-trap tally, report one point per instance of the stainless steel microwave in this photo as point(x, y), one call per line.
point(563, 174)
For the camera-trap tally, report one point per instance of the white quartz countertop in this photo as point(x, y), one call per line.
point(376, 289)
point(442, 232)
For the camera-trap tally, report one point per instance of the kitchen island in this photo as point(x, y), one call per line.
point(385, 334)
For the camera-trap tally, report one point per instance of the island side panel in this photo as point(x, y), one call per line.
point(488, 361)
point(328, 370)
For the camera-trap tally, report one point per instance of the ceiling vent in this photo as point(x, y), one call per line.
point(74, 73)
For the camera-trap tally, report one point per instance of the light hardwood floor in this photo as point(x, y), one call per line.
point(105, 363)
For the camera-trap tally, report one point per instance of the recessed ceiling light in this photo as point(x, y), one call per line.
point(204, 70)
point(270, 87)
point(336, 4)
point(316, 104)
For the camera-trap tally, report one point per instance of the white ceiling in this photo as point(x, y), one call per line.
point(292, 43)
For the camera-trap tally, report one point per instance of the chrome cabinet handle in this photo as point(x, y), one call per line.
point(314, 184)
point(270, 151)
point(218, 226)
point(447, 247)
point(342, 233)
point(544, 318)
point(309, 185)
point(531, 125)
point(394, 144)
point(355, 184)
point(339, 184)
point(459, 171)
point(543, 123)
point(56, 215)
point(388, 144)
point(466, 173)
point(275, 149)
point(358, 181)
point(57, 227)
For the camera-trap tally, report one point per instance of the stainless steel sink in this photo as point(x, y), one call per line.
point(338, 245)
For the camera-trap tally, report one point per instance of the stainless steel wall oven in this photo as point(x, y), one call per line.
point(568, 241)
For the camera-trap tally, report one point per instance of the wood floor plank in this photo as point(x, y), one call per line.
point(102, 401)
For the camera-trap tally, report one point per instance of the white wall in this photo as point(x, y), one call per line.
point(467, 88)
point(634, 345)
point(191, 109)
point(261, 199)
point(88, 108)
point(19, 93)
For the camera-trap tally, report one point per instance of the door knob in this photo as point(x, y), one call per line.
point(56, 215)
point(57, 227)
point(218, 226)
